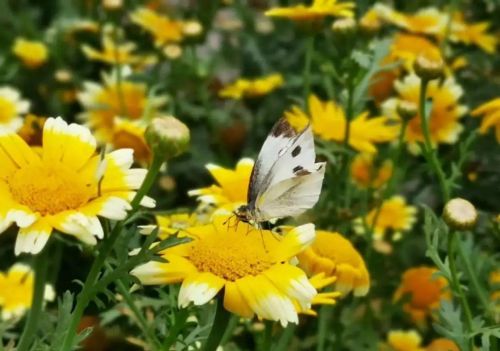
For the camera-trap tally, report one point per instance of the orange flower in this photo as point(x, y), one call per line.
point(442, 344)
point(426, 292)
point(366, 174)
point(334, 255)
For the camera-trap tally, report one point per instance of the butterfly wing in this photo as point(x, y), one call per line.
point(292, 196)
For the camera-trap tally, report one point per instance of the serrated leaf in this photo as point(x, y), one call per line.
point(362, 58)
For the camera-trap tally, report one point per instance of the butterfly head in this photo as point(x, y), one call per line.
point(244, 214)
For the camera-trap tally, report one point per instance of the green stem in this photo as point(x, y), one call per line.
point(41, 264)
point(268, 334)
point(221, 321)
point(452, 246)
point(428, 150)
point(307, 67)
point(88, 291)
point(347, 134)
point(323, 319)
point(180, 322)
point(285, 338)
point(483, 298)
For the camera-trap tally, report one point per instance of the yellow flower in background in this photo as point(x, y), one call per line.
point(366, 174)
point(329, 123)
point(232, 185)
point(394, 216)
point(250, 266)
point(173, 223)
point(16, 291)
point(425, 289)
point(320, 281)
point(32, 53)
point(65, 186)
point(425, 21)
point(444, 126)
point(399, 340)
point(112, 52)
point(118, 111)
point(163, 29)
point(11, 108)
point(32, 129)
point(251, 88)
point(442, 344)
point(334, 256)
point(472, 34)
point(317, 10)
point(494, 280)
point(490, 111)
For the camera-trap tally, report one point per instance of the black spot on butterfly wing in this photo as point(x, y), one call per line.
point(296, 151)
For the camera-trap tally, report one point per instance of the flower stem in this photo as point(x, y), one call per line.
point(452, 248)
point(41, 264)
point(323, 324)
point(221, 321)
point(268, 334)
point(88, 292)
point(428, 150)
point(307, 67)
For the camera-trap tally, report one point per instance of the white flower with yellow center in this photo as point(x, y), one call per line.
point(64, 186)
point(250, 266)
point(16, 291)
point(11, 108)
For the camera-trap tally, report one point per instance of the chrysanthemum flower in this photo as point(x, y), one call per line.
point(173, 223)
point(329, 123)
point(32, 54)
point(250, 88)
point(472, 33)
point(425, 21)
point(112, 52)
point(16, 291)
point(366, 174)
point(444, 126)
point(163, 29)
point(11, 108)
point(394, 215)
point(335, 256)
point(32, 129)
point(399, 340)
point(232, 185)
point(317, 10)
point(65, 186)
point(116, 111)
point(491, 117)
point(251, 266)
point(442, 344)
point(426, 291)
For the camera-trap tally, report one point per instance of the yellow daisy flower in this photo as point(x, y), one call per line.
point(334, 256)
point(163, 29)
point(11, 108)
point(232, 185)
point(491, 117)
point(329, 123)
point(425, 21)
point(245, 88)
point(118, 111)
point(320, 281)
point(399, 340)
point(174, 223)
point(112, 53)
point(444, 117)
point(426, 291)
point(32, 54)
point(250, 267)
point(394, 215)
point(366, 174)
point(472, 33)
point(16, 291)
point(65, 186)
point(319, 9)
point(442, 344)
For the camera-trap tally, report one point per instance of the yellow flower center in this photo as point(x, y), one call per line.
point(50, 189)
point(231, 256)
point(7, 110)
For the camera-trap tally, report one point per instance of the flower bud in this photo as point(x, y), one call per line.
point(428, 68)
point(192, 28)
point(407, 110)
point(460, 214)
point(344, 26)
point(167, 136)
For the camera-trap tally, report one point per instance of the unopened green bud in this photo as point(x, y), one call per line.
point(427, 68)
point(167, 136)
point(460, 214)
point(407, 110)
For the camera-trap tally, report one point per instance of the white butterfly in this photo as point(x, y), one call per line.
point(285, 180)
